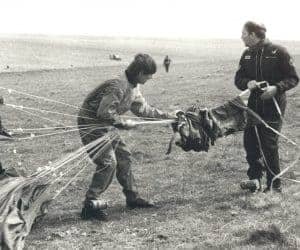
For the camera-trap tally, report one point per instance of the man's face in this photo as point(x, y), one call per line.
point(143, 78)
point(249, 39)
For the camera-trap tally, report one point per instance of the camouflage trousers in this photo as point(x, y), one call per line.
point(116, 158)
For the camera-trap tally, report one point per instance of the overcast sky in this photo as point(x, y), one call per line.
point(150, 18)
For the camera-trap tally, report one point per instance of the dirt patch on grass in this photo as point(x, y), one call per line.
point(271, 235)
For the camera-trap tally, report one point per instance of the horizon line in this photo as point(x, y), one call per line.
point(130, 37)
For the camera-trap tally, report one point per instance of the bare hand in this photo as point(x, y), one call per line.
point(174, 114)
point(269, 92)
point(252, 85)
point(128, 124)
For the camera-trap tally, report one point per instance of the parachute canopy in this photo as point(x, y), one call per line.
point(22, 200)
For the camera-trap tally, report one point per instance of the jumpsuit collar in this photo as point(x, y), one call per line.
point(259, 45)
point(130, 79)
point(126, 78)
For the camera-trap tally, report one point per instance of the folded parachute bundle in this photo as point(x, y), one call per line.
point(197, 129)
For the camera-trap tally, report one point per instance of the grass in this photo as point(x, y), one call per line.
point(201, 204)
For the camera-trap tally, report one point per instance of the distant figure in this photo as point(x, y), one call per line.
point(4, 134)
point(167, 62)
point(115, 57)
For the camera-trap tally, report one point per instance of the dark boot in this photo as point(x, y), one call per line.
point(139, 203)
point(275, 189)
point(251, 185)
point(134, 201)
point(89, 212)
point(276, 185)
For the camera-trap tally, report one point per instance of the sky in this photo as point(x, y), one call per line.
point(149, 18)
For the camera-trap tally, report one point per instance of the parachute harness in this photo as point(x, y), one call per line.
point(194, 129)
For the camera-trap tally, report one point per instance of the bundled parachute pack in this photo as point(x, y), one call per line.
point(197, 128)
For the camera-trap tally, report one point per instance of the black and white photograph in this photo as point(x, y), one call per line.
point(149, 124)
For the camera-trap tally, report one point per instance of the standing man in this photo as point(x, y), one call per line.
point(104, 105)
point(1, 129)
point(167, 62)
point(264, 61)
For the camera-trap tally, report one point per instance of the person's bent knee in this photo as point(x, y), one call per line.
point(99, 161)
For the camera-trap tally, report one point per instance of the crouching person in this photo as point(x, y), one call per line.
point(103, 106)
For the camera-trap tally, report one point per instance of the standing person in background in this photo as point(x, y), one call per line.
point(264, 61)
point(1, 129)
point(3, 134)
point(167, 62)
point(105, 105)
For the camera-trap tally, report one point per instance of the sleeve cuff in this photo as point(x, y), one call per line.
point(280, 87)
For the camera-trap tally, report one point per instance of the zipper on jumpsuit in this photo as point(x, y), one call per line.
point(259, 79)
point(261, 75)
point(256, 95)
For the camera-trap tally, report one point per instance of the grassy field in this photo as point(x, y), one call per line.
point(201, 204)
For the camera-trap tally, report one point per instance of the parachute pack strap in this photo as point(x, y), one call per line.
point(278, 133)
point(261, 85)
point(262, 151)
point(245, 92)
point(277, 106)
point(278, 176)
point(255, 115)
point(287, 168)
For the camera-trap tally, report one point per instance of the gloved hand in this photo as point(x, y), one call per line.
point(1, 100)
point(128, 124)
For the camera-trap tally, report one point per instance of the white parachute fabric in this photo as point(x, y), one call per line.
point(22, 200)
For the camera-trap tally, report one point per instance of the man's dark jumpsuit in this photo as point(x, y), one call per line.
point(271, 63)
point(103, 106)
point(1, 128)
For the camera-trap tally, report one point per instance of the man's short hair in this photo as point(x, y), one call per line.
point(142, 63)
point(258, 29)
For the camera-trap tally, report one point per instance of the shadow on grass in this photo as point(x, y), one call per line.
point(271, 235)
point(71, 217)
point(202, 201)
point(269, 238)
point(258, 202)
